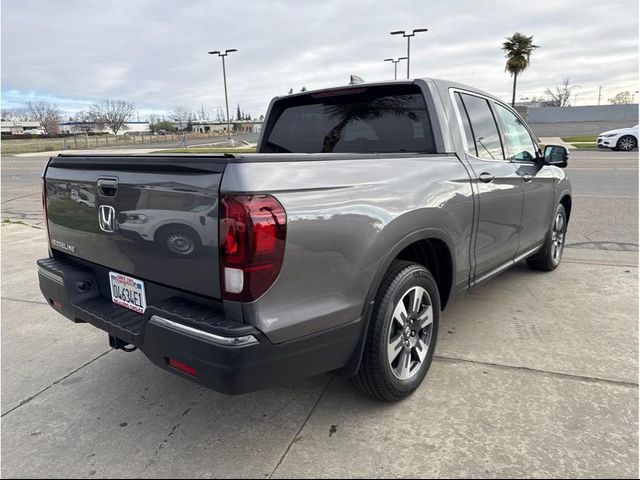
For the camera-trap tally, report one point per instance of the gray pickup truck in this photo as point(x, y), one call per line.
point(366, 210)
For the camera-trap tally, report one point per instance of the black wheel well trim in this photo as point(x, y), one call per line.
point(566, 201)
point(353, 364)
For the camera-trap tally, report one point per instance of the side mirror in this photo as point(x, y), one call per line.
point(556, 155)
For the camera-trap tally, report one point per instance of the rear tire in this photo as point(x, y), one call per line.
point(626, 143)
point(550, 255)
point(402, 333)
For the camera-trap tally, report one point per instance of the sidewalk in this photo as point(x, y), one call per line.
point(556, 141)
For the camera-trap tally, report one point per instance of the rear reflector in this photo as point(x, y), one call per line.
point(55, 303)
point(182, 367)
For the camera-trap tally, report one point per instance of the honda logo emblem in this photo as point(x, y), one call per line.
point(107, 218)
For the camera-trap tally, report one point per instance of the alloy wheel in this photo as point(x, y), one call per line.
point(558, 233)
point(410, 333)
point(627, 144)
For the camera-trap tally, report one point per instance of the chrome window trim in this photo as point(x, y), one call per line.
point(452, 92)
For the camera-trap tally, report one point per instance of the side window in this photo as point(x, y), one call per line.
point(466, 127)
point(519, 144)
point(486, 139)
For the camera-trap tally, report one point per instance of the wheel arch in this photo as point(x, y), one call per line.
point(565, 200)
point(176, 225)
point(427, 245)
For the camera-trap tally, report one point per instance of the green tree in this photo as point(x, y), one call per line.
point(239, 114)
point(518, 48)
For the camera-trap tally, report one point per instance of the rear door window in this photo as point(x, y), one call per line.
point(485, 139)
point(359, 120)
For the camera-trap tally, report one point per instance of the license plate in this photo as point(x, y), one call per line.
point(128, 292)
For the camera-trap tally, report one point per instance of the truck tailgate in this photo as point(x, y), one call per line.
point(154, 218)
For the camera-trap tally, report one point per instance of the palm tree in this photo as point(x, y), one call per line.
point(519, 48)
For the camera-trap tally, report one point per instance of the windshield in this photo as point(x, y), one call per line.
point(363, 120)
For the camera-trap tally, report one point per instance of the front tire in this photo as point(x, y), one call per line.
point(179, 242)
point(549, 257)
point(626, 143)
point(402, 333)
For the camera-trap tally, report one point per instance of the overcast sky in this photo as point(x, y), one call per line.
point(153, 52)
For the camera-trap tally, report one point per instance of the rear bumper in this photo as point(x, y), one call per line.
point(227, 356)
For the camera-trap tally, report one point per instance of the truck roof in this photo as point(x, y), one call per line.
point(441, 83)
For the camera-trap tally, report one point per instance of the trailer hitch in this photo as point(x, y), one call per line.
point(117, 344)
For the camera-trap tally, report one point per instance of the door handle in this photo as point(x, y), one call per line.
point(486, 177)
point(527, 178)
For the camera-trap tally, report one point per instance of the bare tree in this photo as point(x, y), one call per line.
point(621, 98)
point(561, 96)
point(46, 114)
point(85, 122)
point(182, 116)
point(15, 114)
point(112, 113)
point(153, 120)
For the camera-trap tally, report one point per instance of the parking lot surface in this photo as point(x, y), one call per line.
point(536, 374)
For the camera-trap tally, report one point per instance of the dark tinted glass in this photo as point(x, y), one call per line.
point(486, 139)
point(466, 127)
point(363, 120)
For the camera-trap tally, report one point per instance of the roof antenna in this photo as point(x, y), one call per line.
point(355, 80)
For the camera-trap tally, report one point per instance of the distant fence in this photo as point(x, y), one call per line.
point(82, 142)
point(599, 113)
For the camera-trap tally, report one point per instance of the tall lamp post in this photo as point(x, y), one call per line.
point(408, 37)
point(395, 65)
point(224, 76)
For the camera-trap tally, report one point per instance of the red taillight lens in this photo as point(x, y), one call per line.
point(252, 238)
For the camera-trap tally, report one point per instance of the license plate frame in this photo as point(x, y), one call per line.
point(128, 292)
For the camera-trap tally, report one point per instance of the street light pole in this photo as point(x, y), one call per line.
point(408, 37)
point(224, 76)
point(395, 65)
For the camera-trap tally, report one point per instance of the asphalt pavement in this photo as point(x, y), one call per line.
point(535, 375)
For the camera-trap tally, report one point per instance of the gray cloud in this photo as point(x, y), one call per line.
point(154, 52)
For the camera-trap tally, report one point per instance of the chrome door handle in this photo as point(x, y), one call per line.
point(486, 177)
point(527, 178)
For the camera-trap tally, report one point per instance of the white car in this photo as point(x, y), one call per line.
point(625, 139)
point(180, 233)
point(34, 131)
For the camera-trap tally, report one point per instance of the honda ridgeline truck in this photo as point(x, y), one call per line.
point(365, 211)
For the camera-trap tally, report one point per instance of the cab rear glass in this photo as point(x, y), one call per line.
point(386, 119)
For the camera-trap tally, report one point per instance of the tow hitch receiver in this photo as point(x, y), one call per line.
point(117, 344)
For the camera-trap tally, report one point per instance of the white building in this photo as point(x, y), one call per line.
point(129, 128)
point(237, 126)
point(18, 128)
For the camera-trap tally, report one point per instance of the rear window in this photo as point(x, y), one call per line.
point(361, 120)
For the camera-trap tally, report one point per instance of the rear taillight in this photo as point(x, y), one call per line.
point(252, 237)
